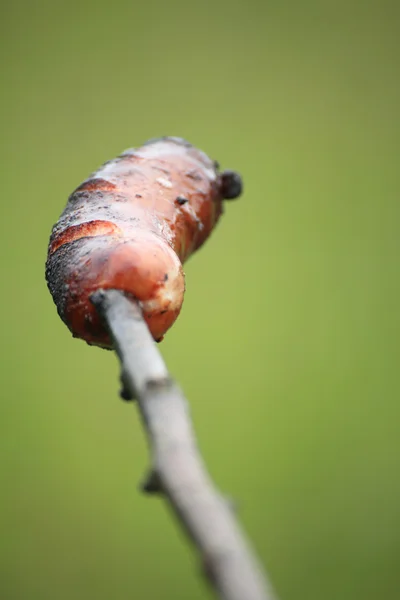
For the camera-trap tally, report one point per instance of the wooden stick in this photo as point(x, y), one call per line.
point(177, 469)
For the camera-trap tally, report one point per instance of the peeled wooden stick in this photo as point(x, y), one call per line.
point(177, 468)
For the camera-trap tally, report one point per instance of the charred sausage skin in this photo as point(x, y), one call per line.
point(130, 226)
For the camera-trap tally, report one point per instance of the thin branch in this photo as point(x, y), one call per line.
point(177, 468)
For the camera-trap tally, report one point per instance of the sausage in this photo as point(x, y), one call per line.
point(130, 226)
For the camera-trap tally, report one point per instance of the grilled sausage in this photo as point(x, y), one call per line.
point(130, 226)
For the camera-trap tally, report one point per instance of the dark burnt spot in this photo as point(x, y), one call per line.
point(166, 277)
point(126, 158)
point(138, 196)
point(181, 200)
point(162, 312)
point(78, 196)
point(125, 394)
point(157, 168)
point(195, 175)
point(132, 172)
point(230, 185)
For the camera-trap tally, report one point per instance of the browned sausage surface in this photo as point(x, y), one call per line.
point(130, 226)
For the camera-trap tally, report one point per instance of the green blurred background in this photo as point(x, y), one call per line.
point(288, 343)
